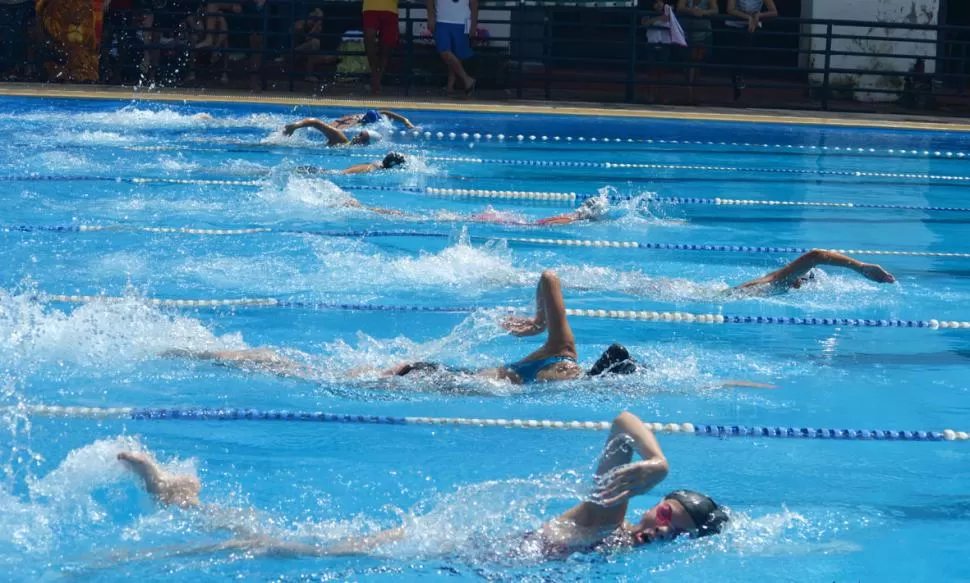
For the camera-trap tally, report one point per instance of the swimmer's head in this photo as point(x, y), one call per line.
point(370, 116)
point(682, 512)
point(804, 280)
point(593, 208)
point(366, 137)
point(393, 159)
point(615, 360)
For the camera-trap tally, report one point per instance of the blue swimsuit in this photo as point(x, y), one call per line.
point(528, 369)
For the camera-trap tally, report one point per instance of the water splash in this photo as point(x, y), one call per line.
point(97, 334)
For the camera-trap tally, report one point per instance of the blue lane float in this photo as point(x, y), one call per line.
point(636, 315)
point(700, 430)
point(562, 197)
point(541, 241)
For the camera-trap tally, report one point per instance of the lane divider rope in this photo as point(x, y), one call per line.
point(641, 315)
point(701, 430)
point(430, 234)
point(705, 168)
point(568, 197)
point(531, 138)
point(479, 136)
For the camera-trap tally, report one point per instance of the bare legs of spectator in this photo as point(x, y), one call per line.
point(256, 62)
point(456, 69)
point(149, 63)
point(377, 57)
point(216, 39)
point(312, 46)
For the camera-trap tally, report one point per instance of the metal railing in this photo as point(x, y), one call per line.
point(592, 51)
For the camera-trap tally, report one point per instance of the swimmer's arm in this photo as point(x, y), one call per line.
point(361, 168)
point(559, 219)
point(334, 136)
point(397, 116)
point(787, 275)
point(617, 478)
point(518, 326)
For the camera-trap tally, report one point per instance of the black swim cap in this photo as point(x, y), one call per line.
point(706, 514)
point(615, 360)
point(393, 159)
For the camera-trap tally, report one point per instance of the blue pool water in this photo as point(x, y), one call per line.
point(805, 510)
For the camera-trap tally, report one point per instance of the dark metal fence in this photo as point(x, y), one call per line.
point(586, 51)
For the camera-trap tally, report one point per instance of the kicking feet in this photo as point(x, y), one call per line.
point(181, 491)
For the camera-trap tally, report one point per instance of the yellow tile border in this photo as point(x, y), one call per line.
point(484, 107)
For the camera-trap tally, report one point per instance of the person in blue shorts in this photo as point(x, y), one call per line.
point(453, 23)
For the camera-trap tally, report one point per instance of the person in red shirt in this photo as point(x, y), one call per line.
point(380, 37)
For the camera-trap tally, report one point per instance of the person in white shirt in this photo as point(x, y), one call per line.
point(452, 23)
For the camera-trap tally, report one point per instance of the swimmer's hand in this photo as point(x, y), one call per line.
point(289, 128)
point(876, 273)
point(622, 483)
point(518, 326)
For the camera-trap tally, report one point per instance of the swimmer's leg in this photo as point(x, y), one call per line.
point(168, 489)
point(265, 359)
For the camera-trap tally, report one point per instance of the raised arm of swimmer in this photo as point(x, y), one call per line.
point(334, 136)
point(791, 275)
point(398, 117)
point(619, 478)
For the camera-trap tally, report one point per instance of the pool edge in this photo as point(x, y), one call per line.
point(799, 117)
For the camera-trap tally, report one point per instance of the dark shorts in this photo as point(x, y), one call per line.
point(385, 23)
point(451, 37)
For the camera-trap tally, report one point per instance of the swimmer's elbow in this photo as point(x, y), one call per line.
point(549, 276)
point(626, 421)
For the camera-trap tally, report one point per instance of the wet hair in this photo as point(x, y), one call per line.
point(393, 159)
point(419, 367)
point(615, 360)
point(705, 512)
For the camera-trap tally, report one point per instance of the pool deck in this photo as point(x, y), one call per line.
point(429, 102)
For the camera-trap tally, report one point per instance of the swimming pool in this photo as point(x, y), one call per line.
point(806, 509)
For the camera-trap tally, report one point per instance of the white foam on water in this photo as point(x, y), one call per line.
point(63, 162)
point(290, 195)
point(98, 333)
point(62, 502)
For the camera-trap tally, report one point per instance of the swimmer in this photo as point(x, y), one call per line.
point(391, 161)
point(368, 117)
point(335, 137)
point(598, 523)
point(799, 273)
point(555, 360)
point(592, 209)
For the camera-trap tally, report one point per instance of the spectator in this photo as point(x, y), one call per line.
point(380, 20)
point(246, 22)
point(162, 25)
point(452, 22)
point(210, 32)
point(697, 24)
point(307, 35)
point(662, 31)
point(750, 13)
point(14, 15)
